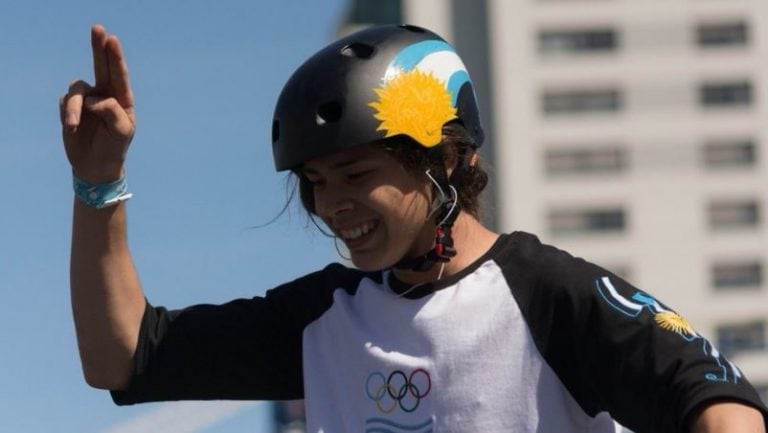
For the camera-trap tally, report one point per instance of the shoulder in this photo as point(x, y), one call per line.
point(334, 276)
point(316, 289)
point(524, 259)
point(549, 283)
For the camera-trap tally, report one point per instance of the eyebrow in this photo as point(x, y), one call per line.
point(341, 164)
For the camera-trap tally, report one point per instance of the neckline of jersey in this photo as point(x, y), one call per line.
point(407, 290)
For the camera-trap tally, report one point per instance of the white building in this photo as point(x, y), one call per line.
point(632, 133)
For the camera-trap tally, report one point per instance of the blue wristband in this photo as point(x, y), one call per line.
point(101, 195)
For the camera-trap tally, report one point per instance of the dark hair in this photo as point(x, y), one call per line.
point(457, 147)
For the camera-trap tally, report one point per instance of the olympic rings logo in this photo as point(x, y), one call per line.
point(398, 389)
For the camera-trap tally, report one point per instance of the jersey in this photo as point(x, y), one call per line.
point(527, 339)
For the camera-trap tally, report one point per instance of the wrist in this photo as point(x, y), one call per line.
point(103, 194)
point(103, 175)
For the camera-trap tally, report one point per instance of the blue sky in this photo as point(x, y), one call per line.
point(206, 75)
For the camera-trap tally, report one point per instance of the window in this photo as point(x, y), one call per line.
point(587, 221)
point(724, 154)
point(609, 159)
point(726, 94)
point(577, 41)
point(581, 101)
point(727, 214)
point(722, 34)
point(737, 275)
point(732, 339)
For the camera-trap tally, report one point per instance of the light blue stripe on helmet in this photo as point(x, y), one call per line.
point(410, 56)
point(454, 84)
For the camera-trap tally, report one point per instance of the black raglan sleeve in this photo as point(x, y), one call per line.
point(616, 348)
point(247, 349)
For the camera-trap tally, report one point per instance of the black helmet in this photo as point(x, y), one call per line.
point(377, 83)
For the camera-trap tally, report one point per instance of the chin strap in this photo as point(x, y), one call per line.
point(443, 250)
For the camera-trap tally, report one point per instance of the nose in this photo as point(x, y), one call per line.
point(330, 202)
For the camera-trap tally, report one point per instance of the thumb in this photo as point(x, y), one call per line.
point(109, 110)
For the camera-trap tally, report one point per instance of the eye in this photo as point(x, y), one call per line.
point(358, 175)
point(313, 182)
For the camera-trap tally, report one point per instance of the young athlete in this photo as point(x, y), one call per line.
point(442, 326)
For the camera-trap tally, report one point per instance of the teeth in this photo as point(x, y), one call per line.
point(356, 232)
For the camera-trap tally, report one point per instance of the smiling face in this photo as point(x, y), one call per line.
point(372, 203)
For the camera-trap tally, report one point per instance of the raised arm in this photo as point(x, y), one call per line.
point(98, 123)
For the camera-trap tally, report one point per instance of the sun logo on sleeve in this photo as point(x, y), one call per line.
point(640, 303)
point(674, 322)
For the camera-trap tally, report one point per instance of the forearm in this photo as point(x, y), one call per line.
point(107, 300)
point(728, 418)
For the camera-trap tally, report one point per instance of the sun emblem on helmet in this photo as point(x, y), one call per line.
point(673, 322)
point(414, 103)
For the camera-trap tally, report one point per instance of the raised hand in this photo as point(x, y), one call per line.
point(98, 122)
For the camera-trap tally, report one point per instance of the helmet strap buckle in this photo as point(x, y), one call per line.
point(444, 248)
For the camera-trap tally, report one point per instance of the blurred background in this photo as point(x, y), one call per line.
point(631, 133)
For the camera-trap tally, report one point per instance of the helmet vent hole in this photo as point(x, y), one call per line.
point(275, 130)
point(412, 28)
point(356, 49)
point(329, 112)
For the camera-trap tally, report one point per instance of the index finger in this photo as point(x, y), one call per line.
point(100, 64)
point(119, 84)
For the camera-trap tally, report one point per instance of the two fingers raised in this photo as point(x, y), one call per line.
point(111, 98)
point(109, 67)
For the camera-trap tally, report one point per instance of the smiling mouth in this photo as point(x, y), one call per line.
point(356, 233)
